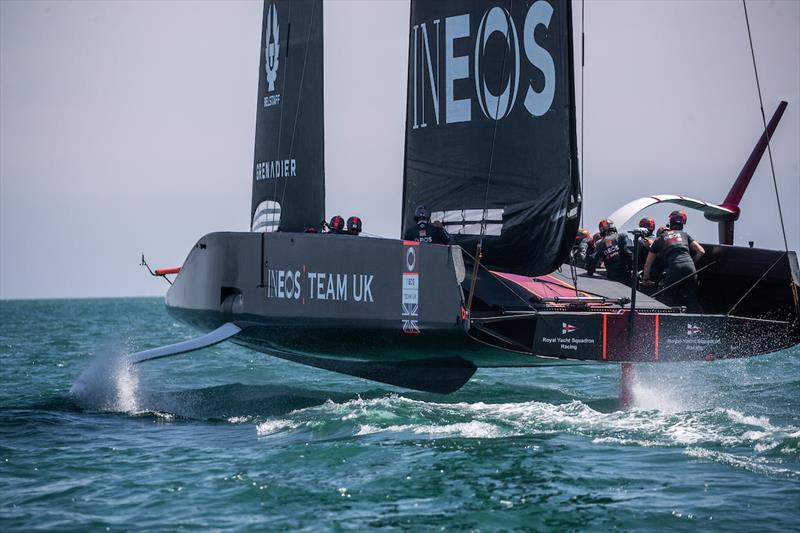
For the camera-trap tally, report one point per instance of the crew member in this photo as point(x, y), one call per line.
point(425, 231)
point(646, 240)
point(354, 226)
point(336, 225)
point(614, 252)
point(583, 247)
point(679, 253)
point(650, 225)
point(657, 268)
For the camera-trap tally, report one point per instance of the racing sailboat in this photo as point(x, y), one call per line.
point(491, 150)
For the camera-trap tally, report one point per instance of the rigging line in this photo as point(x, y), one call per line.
point(756, 283)
point(764, 122)
point(300, 91)
point(280, 120)
point(537, 280)
point(574, 273)
point(546, 282)
point(502, 282)
point(684, 278)
point(494, 133)
point(590, 293)
point(583, 114)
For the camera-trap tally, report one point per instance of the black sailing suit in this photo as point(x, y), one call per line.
point(425, 231)
point(616, 255)
point(674, 251)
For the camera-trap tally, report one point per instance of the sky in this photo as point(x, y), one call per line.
point(128, 127)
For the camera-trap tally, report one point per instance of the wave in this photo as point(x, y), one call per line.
point(670, 411)
point(722, 435)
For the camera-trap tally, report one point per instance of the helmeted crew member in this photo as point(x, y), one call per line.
point(583, 247)
point(679, 252)
point(336, 225)
point(650, 225)
point(353, 226)
point(647, 240)
point(614, 252)
point(425, 231)
point(657, 269)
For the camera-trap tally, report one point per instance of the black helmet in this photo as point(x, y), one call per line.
point(422, 213)
point(649, 224)
point(354, 225)
point(677, 219)
point(337, 224)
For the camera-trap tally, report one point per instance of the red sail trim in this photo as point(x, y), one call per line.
point(165, 271)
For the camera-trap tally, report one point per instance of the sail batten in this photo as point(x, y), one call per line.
point(490, 128)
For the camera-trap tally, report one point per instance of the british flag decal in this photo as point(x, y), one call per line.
point(410, 288)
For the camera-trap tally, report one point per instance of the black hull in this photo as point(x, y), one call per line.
point(394, 311)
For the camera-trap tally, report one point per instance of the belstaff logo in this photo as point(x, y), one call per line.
point(272, 46)
point(272, 53)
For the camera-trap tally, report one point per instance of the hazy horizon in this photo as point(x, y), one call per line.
point(128, 127)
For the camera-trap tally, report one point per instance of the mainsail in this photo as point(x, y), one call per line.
point(288, 168)
point(490, 128)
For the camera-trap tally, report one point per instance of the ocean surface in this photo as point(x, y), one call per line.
point(227, 438)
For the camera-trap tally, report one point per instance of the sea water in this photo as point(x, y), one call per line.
point(230, 438)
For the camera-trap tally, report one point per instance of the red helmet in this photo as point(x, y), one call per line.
point(605, 225)
point(337, 224)
point(661, 229)
point(354, 225)
point(582, 234)
point(677, 219)
point(648, 223)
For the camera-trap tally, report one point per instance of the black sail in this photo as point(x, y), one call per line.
point(288, 168)
point(490, 128)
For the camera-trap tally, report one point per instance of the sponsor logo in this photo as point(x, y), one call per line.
point(272, 55)
point(410, 291)
point(437, 70)
point(673, 237)
point(280, 168)
point(267, 216)
point(567, 328)
point(496, 20)
point(692, 329)
point(297, 285)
